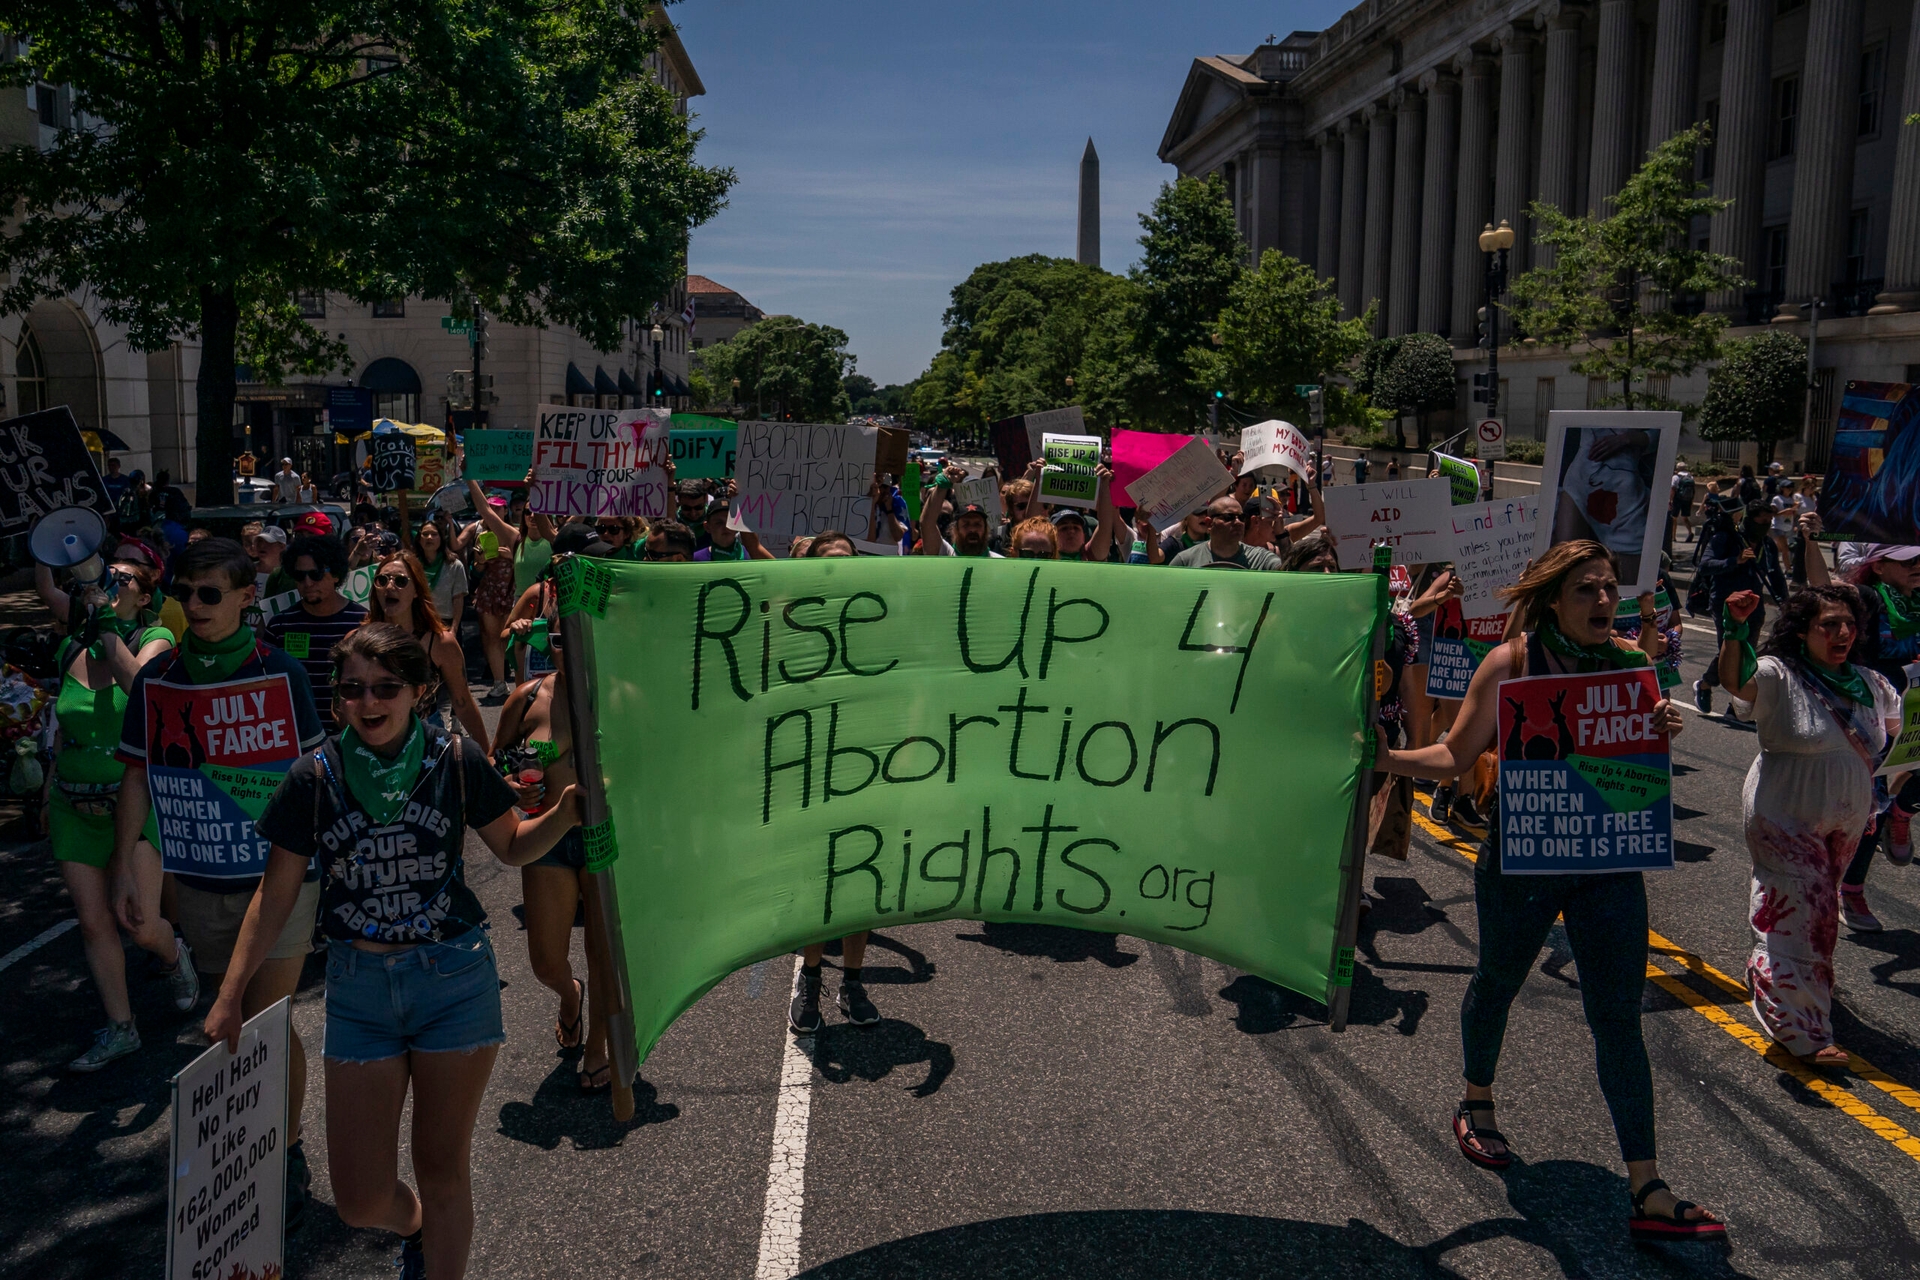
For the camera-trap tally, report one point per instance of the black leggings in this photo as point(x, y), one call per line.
point(1607, 926)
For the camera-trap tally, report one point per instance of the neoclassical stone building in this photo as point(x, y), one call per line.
point(1378, 148)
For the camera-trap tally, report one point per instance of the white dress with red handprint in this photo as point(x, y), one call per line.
point(1807, 799)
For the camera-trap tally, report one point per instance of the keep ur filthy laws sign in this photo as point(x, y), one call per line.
point(600, 462)
point(216, 753)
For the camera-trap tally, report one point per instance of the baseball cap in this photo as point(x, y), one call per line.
point(1257, 506)
point(314, 524)
point(1886, 551)
point(1069, 515)
point(972, 509)
point(273, 533)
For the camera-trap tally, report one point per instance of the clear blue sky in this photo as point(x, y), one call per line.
point(886, 149)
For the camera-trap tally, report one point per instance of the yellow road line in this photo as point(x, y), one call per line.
point(1741, 1031)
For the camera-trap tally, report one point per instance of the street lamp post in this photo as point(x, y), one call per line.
point(1495, 242)
point(659, 383)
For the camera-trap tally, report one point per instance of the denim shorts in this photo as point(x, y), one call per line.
point(437, 997)
point(569, 855)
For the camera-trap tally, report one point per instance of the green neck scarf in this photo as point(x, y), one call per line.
point(1903, 611)
point(1846, 680)
point(433, 571)
point(209, 662)
point(382, 783)
point(1588, 658)
point(1741, 633)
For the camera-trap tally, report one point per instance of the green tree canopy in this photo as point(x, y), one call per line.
point(1190, 259)
point(1758, 392)
point(1409, 373)
point(1281, 329)
point(1618, 287)
point(788, 370)
point(236, 151)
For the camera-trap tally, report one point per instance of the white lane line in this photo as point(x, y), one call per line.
point(26, 949)
point(787, 1169)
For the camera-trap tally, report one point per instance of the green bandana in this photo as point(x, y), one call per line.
point(1588, 658)
point(1846, 681)
point(209, 662)
point(1903, 611)
point(382, 783)
point(1740, 633)
point(433, 571)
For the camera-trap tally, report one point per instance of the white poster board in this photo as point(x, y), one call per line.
point(1410, 516)
point(1607, 478)
point(1274, 443)
point(600, 462)
point(1492, 542)
point(226, 1196)
point(801, 478)
point(984, 490)
point(1185, 482)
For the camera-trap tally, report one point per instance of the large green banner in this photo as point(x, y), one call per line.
point(796, 750)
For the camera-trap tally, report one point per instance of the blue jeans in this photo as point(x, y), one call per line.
point(436, 997)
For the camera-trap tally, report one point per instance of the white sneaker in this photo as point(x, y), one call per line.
point(110, 1044)
point(501, 689)
point(184, 980)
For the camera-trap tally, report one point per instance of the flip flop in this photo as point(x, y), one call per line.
point(567, 1034)
point(590, 1082)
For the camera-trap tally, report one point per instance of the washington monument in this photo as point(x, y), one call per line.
point(1088, 249)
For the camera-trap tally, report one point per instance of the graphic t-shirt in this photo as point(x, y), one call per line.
point(309, 639)
point(399, 882)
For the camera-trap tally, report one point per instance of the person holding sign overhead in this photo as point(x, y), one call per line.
point(1566, 602)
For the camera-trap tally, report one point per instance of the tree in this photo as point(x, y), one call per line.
point(1621, 286)
point(789, 370)
point(1410, 373)
point(1191, 257)
point(511, 153)
point(858, 387)
point(1281, 329)
point(1758, 392)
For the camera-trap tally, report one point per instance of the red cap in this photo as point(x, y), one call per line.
point(313, 524)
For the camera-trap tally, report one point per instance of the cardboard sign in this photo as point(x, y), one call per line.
point(984, 490)
point(1586, 782)
point(1460, 645)
point(216, 753)
point(600, 462)
point(393, 461)
point(890, 451)
point(1607, 478)
point(1409, 516)
point(1872, 488)
point(705, 453)
point(1462, 474)
point(1491, 542)
point(226, 1198)
point(44, 465)
point(498, 455)
point(1182, 484)
point(1274, 443)
point(1017, 441)
point(1137, 452)
point(802, 478)
point(1071, 477)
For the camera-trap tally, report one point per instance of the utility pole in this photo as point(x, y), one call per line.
point(1494, 243)
point(478, 397)
point(1813, 341)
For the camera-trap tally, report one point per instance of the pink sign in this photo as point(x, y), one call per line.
point(1137, 452)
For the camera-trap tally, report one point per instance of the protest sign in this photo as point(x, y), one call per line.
point(984, 490)
point(216, 753)
point(1606, 478)
point(1460, 645)
point(498, 455)
point(392, 461)
point(1491, 543)
point(1410, 516)
point(1462, 474)
point(1137, 452)
point(429, 466)
point(1904, 754)
point(1016, 441)
point(1274, 443)
point(1585, 778)
point(600, 462)
point(939, 738)
point(44, 465)
point(1871, 492)
point(1626, 622)
point(704, 453)
point(1071, 477)
point(1182, 484)
point(226, 1198)
point(800, 478)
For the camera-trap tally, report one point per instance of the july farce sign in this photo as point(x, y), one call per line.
point(932, 738)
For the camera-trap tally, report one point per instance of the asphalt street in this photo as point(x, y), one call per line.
point(1043, 1102)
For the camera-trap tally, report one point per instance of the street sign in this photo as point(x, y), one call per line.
point(454, 324)
point(1490, 439)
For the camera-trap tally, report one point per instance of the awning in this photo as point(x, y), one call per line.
point(418, 430)
point(678, 388)
point(602, 384)
point(391, 376)
point(627, 385)
point(103, 441)
point(577, 384)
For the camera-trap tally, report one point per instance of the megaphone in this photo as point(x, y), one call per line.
point(69, 538)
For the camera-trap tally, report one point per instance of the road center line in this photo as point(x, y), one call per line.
point(787, 1168)
point(45, 936)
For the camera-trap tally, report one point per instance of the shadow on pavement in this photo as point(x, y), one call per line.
point(1067, 946)
point(559, 1113)
point(919, 968)
point(843, 1052)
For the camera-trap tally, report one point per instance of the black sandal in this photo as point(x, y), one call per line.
point(590, 1082)
point(567, 1034)
point(1465, 1133)
point(1652, 1228)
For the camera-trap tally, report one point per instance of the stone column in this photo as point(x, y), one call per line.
point(1409, 160)
point(1903, 220)
point(1614, 95)
point(1326, 258)
point(1740, 146)
point(1823, 152)
point(1437, 202)
point(1473, 205)
point(1513, 159)
point(1379, 228)
point(1676, 62)
point(1559, 110)
point(1353, 202)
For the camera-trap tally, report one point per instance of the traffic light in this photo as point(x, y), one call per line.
point(1219, 395)
point(1316, 407)
point(656, 384)
point(480, 335)
point(1479, 388)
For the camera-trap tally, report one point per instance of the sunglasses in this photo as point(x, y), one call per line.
point(1230, 517)
point(1203, 515)
point(393, 580)
point(205, 595)
point(379, 691)
point(307, 575)
point(124, 579)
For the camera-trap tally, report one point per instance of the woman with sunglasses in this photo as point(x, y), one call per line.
point(84, 783)
point(444, 573)
point(413, 990)
point(401, 595)
point(1035, 538)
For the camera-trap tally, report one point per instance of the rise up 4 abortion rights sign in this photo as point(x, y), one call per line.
point(935, 738)
point(1585, 778)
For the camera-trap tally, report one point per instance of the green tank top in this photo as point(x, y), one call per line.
point(530, 559)
point(90, 718)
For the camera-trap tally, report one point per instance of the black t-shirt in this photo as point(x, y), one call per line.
point(403, 882)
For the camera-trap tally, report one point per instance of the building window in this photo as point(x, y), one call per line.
point(1774, 276)
point(1659, 386)
point(1542, 406)
point(1710, 113)
point(1873, 89)
point(699, 343)
point(46, 104)
point(30, 374)
point(1783, 123)
point(1716, 24)
point(311, 306)
point(391, 309)
point(1596, 392)
point(1859, 223)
